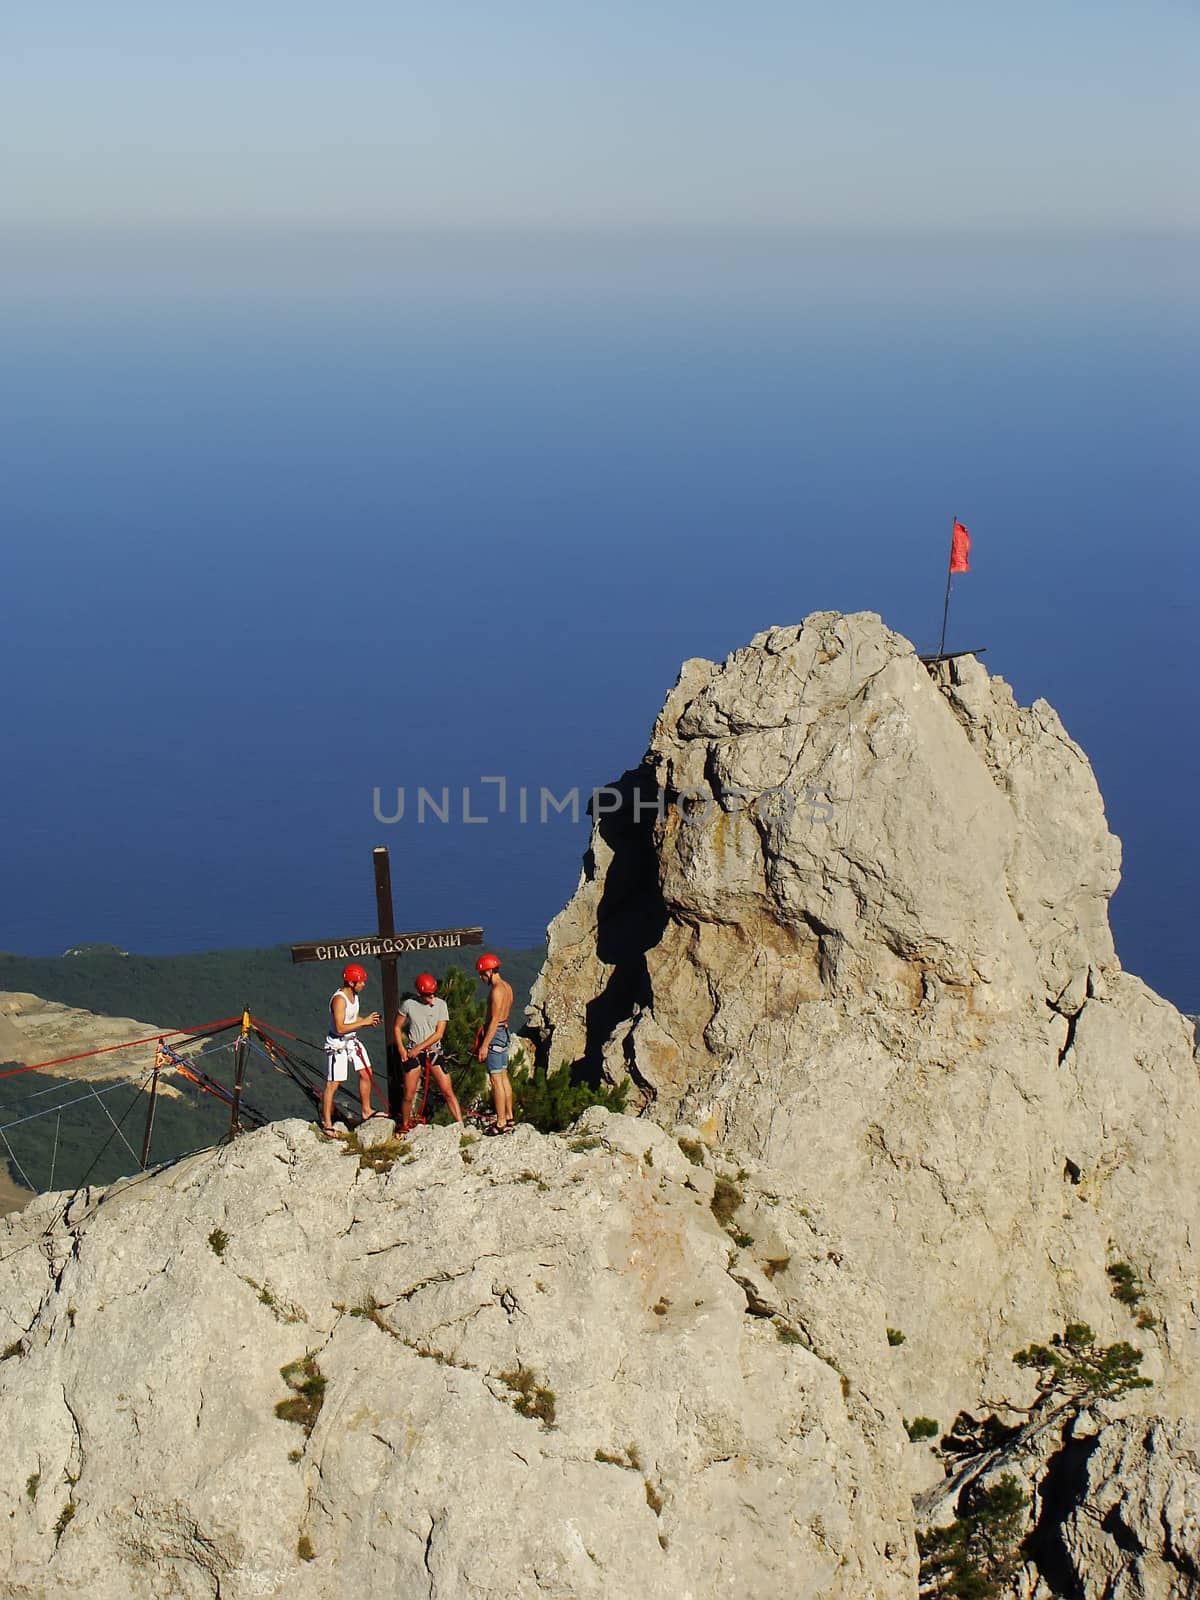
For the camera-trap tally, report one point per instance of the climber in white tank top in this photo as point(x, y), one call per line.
point(344, 1049)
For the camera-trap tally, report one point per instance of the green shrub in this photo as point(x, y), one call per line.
point(31, 1485)
point(65, 1517)
point(895, 1337)
point(922, 1428)
point(304, 1548)
point(693, 1150)
point(1127, 1287)
point(552, 1101)
point(307, 1383)
point(217, 1240)
point(977, 1556)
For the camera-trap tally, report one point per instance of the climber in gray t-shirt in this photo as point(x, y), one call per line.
point(420, 1028)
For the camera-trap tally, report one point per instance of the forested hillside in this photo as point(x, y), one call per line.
point(184, 991)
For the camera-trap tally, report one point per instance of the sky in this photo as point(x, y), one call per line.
point(711, 315)
point(631, 114)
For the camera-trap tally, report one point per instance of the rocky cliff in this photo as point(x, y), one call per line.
point(845, 927)
point(509, 1367)
point(851, 918)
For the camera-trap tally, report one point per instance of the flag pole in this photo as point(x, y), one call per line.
point(949, 576)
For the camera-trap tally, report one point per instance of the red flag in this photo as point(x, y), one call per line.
point(960, 549)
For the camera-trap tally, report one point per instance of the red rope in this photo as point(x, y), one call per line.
point(273, 1027)
point(130, 1044)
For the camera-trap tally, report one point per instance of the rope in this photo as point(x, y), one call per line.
point(130, 1044)
point(121, 1083)
point(116, 1129)
point(144, 1158)
point(207, 1085)
point(24, 1175)
point(117, 1125)
point(48, 1231)
point(54, 1152)
point(101, 1068)
point(303, 1074)
point(272, 1027)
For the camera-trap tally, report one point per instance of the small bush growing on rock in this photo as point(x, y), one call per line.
point(922, 1428)
point(304, 1548)
point(31, 1485)
point(727, 1197)
point(1125, 1286)
point(371, 1311)
point(65, 1517)
point(217, 1240)
point(382, 1157)
point(786, 1334)
point(14, 1349)
point(307, 1382)
point(776, 1265)
point(743, 1240)
point(693, 1150)
point(631, 1460)
point(977, 1556)
point(654, 1499)
point(530, 1398)
point(551, 1101)
point(894, 1336)
point(280, 1310)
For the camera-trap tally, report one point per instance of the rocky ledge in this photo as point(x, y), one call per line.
point(569, 1365)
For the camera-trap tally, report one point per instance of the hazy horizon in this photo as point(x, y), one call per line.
point(518, 111)
point(619, 335)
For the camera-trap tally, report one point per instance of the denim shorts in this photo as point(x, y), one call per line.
point(497, 1056)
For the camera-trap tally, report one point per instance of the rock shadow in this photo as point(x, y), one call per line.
point(631, 916)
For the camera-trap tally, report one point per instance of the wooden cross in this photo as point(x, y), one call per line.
point(386, 947)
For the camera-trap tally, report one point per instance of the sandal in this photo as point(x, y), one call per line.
point(370, 1116)
point(328, 1133)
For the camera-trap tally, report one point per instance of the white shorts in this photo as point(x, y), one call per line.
point(341, 1054)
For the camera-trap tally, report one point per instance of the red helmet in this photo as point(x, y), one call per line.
point(354, 973)
point(426, 983)
point(488, 963)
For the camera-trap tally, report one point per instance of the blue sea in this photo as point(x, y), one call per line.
point(295, 518)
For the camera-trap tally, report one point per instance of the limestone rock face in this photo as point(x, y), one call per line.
point(1134, 1533)
point(548, 1370)
point(851, 919)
